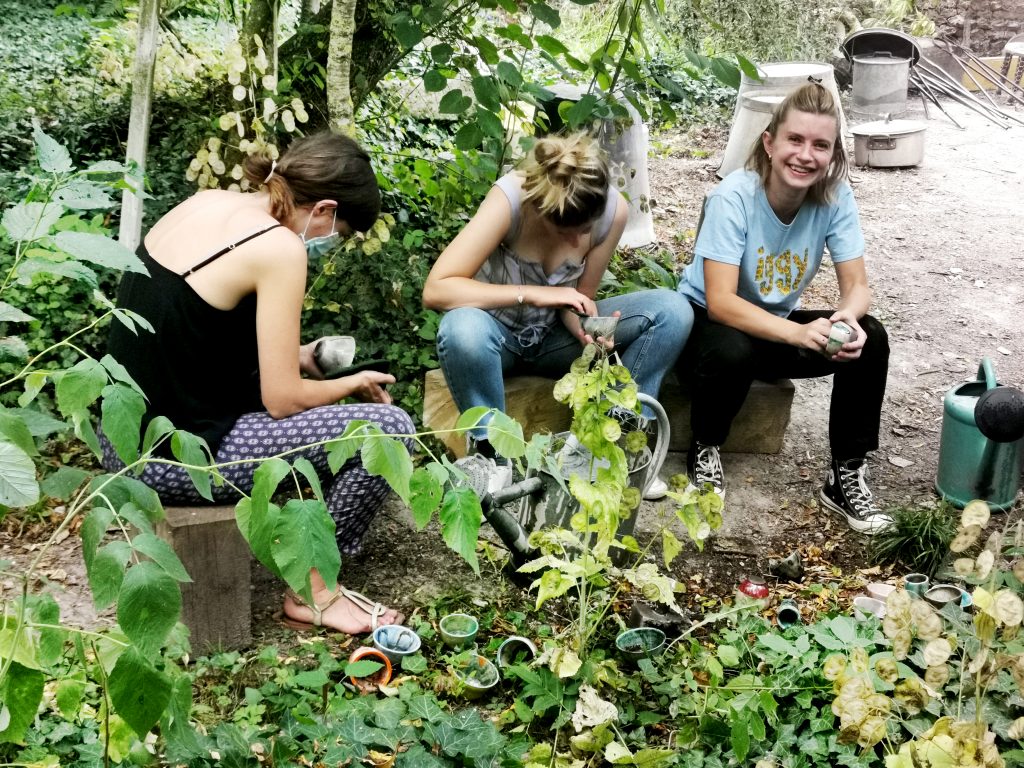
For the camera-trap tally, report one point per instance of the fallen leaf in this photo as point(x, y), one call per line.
point(57, 574)
point(899, 461)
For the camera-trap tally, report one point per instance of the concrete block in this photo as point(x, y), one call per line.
point(216, 605)
point(759, 428)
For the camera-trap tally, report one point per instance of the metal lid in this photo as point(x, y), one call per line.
point(760, 102)
point(874, 40)
point(888, 128)
point(881, 58)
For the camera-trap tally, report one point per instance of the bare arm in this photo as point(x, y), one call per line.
point(280, 279)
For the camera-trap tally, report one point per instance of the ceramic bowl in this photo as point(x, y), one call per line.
point(477, 675)
point(396, 642)
point(381, 677)
point(943, 594)
point(916, 583)
point(864, 606)
point(458, 630)
point(514, 648)
point(641, 643)
point(880, 591)
point(599, 326)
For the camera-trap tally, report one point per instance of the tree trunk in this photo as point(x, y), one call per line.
point(260, 20)
point(130, 230)
point(340, 109)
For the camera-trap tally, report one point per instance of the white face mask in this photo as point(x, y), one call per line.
point(318, 246)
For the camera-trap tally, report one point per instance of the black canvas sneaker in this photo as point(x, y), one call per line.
point(704, 467)
point(846, 492)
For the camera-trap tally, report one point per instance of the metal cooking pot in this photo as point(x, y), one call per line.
point(889, 143)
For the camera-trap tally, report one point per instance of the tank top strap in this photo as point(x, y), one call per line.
point(225, 249)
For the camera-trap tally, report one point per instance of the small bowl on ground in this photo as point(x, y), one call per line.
point(864, 606)
point(641, 643)
point(515, 649)
point(879, 590)
point(916, 583)
point(396, 642)
point(477, 675)
point(458, 630)
point(375, 679)
point(941, 595)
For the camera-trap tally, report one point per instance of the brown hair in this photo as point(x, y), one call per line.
point(566, 179)
point(323, 166)
point(814, 99)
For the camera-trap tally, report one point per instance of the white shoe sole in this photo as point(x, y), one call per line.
point(656, 490)
point(867, 527)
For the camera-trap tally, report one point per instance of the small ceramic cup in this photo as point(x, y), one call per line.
point(477, 675)
point(458, 630)
point(915, 583)
point(396, 642)
point(864, 606)
point(381, 677)
point(514, 648)
point(788, 613)
point(641, 643)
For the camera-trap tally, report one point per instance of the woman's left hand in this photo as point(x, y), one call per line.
point(368, 386)
point(850, 350)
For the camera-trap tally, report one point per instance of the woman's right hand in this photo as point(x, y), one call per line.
point(368, 386)
point(813, 335)
point(559, 297)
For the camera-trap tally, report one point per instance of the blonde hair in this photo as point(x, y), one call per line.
point(323, 166)
point(814, 99)
point(565, 178)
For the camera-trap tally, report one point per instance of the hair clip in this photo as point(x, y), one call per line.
point(273, 165)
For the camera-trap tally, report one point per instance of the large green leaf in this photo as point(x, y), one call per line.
point(18, 486)
point(101, 250)
point(118, 490)
point(157, 429)
point(257, 517)
point(388, 457)
point(106, 572)
point(460, 517)
point(347, 445)
point(506, 435)
point(725, 72)
point(69, 268)
point(51, 154)
point(490, 124)
point(426, 490)
point(68, 695)
point(454, 102)
point(469, 137)
point(11, 314)
point(45, 610)
point(21, 690)
point(80, 386)
point(550, 44)
point(119, 373)
point(39, 423)
point(139, 693)
point(13, 348)
point(510, 73)
point(122, 410)
point(192, 450)
point(304, 539)
point(81, 195)
point(148, 606)
point(30, 221)
point(434, 81)
point(486, 92)
point(94, 528)
point(161, 553)
point(305, 468)
point(65, 481)
point(21, 646)
point(14, 429)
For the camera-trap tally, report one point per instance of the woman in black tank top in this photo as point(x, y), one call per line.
point(227, 275)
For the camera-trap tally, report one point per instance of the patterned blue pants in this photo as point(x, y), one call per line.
point(353, 496)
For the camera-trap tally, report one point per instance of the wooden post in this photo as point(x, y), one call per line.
point(138, 125)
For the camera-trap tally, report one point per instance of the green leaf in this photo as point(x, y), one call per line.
point(425, 707)
point(778, 644)
point(38, 423)
point(13, 348)
point(728, 655)
point(106, 572)
point(68, 695)
point(582, 110)
point(304, 539)
point(21, 690)
point(51, 638)
point(347, 445)
point(387, 457)
point(414, 664)
point(551, 45)
point(80, 386)
point(545, 13)
point(148, 606)
point(190, 449)
point(425, 493)
point(434, 81)
point(18, 486)
point(486, 92)
point(471, 417)
point(257, 518)
point(671, 546)
point(460, 517)
point(490, 124)
point(51, 154)
point(506, 435)
point(441, 53)
point(19, 646)
point(65, 481)
point(14, 429)
point(122, 410)
point(408, 34)
point(119, 373)
point(31, 221)
point(139, 693)
point(488, 50)
point(118, 490)
point(94, 528)
point(81, 195)
point(748, 67)
point(161, 553)
point(363, 668)
point(101, 250)
point(552, 583)
point(11, 314)
point(454, 102)
point(740, 737)
point(510, 74)
point(157, 429)
point(725, 72)
point(305, 468)
point(69, 268)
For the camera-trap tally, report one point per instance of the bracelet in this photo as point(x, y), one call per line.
point(519, 298)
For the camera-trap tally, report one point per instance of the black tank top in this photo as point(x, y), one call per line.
point(200, 366)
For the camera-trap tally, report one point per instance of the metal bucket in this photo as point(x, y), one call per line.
point(755, 113)
point(880, 85)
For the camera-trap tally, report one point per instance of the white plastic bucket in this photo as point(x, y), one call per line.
point(880, 85)
point(753, 117)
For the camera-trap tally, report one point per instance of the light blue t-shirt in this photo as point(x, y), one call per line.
point(777, 261)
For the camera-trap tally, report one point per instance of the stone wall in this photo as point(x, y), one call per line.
point(984, 26)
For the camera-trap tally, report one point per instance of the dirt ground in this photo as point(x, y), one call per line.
point(944, 248)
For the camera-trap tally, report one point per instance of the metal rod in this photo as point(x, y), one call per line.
point(998, 78)
point(925, 88)
point(970, 102)
point(970, 73)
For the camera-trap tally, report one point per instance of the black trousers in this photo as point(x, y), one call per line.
point(720, 362)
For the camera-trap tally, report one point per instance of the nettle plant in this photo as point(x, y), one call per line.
point(947, 691)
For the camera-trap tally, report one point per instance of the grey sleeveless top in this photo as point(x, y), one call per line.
point(505, 267)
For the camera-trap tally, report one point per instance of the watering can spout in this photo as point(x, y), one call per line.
point(982, 441)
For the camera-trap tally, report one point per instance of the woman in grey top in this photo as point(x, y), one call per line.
point(516, 279)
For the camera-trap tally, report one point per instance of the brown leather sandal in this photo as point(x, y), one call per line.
point(371, 607)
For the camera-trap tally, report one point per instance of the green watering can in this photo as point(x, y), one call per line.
point(982, 442)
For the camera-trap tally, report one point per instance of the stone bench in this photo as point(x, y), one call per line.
point(758, 428)
point(216, 604)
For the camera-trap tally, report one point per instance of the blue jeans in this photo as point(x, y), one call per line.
point(475, 350)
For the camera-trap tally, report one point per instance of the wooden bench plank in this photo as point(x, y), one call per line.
point(760, 426)
point(216, 605)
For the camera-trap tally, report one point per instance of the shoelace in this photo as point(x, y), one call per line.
point(856, 490)
point(708, 466)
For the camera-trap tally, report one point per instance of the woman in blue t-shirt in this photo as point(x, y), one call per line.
point(761, 241)
point(516, 280)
